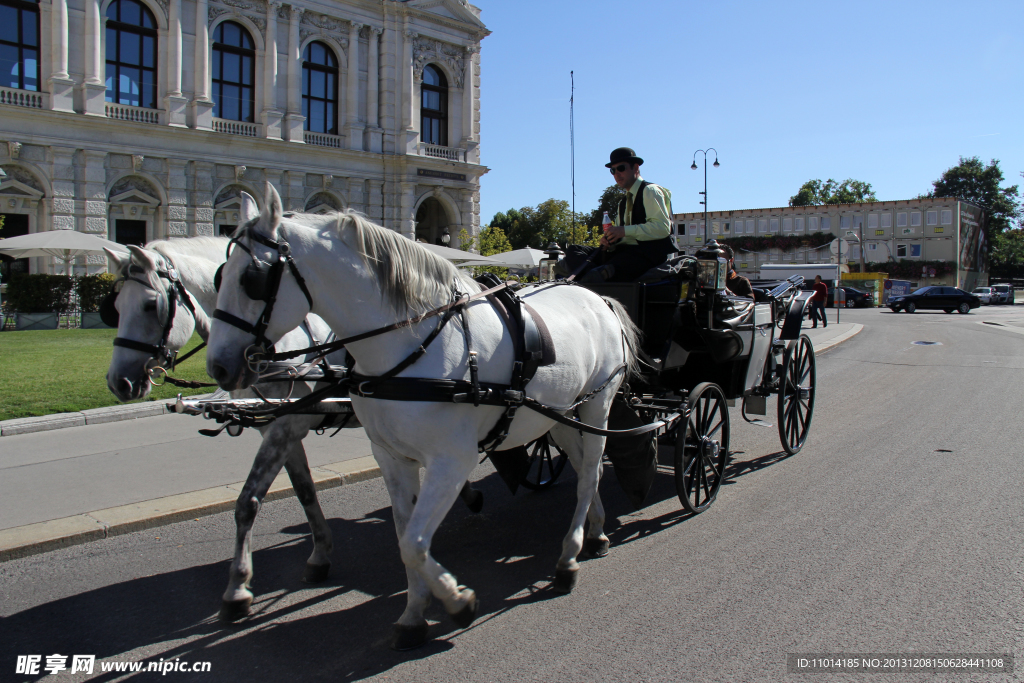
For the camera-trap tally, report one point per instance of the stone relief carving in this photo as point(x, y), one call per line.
point(15, 173)
point(229, 192)
point(426, 50)
point(323, 198)
point(239, 172)
point(134, 183)
point(308, 32)
point(14, 149)
point(137, 160)
point(254, 12)
point(163, 6)
point(322, 21)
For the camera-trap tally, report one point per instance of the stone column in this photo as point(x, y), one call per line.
point(407, 219)
point(294, 119)
point(353, 128)
point(375, 201)
point(202, 105)
point(61, 86)
point(271, 113)
point(469, 142)
point(409, 122)
point(175, 105)
point(177, 198)
point(376, 133)
point(202, 197)
point(92, 90)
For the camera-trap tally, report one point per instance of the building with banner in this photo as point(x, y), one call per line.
point(945, 236)
point(143, 119)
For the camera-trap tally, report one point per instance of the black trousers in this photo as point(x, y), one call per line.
point(629, 261)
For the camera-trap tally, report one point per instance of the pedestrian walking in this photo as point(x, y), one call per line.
point(818, 301)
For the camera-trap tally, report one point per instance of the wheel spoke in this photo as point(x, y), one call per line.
point(704, 479)
point(713, 431)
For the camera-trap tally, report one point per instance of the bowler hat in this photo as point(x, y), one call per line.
point(623, 154)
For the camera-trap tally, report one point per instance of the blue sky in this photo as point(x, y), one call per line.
point(891, 93)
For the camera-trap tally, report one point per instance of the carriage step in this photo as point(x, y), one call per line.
point(757, 423)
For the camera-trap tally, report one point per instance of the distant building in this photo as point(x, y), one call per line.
point(143, 119)
point(945, 230)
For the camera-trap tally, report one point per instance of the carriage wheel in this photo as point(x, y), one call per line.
point(703, 449)
point(547, 461)
point(796, 394)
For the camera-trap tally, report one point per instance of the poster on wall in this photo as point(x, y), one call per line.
point(973, 252)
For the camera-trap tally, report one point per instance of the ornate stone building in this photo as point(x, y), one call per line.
point(142, 119)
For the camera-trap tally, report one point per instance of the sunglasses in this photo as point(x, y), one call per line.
point(621, 168)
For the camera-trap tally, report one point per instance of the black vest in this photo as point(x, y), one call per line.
point(655, 250)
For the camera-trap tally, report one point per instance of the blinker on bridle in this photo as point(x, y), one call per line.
point(159, 352)
point(261, 281)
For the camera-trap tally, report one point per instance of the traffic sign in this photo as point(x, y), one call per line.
point(839, 247)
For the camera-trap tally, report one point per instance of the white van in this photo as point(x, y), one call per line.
point(1002, 294)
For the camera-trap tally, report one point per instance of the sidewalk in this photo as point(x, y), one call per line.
point(77, 477)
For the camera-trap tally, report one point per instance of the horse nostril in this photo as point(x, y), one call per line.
point(218, 372)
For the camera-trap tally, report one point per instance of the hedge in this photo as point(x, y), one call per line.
point(783, 242)
point(40, 293)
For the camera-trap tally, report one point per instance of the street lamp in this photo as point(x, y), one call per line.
point(693, 167)
point(446, 237)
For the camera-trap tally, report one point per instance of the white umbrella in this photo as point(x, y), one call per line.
point(455, 254)
point(63, 244)
point(517, 258)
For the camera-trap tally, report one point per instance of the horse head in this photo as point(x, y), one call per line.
point(150, 327)
point(258, 299)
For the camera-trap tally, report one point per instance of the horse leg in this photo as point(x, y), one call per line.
point(588, 474)
point(402, 478)
point(595, 544)
point(441, 484)
point(318, 566)
point(237, 598)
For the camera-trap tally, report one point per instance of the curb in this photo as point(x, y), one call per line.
point(836, 341)
point(92, 416)
point(42, 537)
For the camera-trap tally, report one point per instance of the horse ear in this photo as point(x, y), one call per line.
point(120, 260)
point(272, 211)
point(249, 209)
point(143, 258)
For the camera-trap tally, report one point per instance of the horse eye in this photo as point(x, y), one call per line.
point(149, 306)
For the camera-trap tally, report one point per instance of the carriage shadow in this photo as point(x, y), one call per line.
point(339, 629)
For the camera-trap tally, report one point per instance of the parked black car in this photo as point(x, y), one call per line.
point(946, 299)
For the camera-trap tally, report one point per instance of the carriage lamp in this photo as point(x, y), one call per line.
point(547, 264)
point(446, 237)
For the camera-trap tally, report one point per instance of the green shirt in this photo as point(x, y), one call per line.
point(658, 205)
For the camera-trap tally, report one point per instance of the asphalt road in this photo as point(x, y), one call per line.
point(896, 530)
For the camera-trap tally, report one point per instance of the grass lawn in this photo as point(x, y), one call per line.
point(60, 371)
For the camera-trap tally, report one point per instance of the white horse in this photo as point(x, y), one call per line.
point(143, 309)
point(361, 277)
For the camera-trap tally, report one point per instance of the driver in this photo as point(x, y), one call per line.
point(638, 240)
point(736, 283)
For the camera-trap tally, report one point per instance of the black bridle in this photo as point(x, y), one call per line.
point(261, 281)
point(175, 292)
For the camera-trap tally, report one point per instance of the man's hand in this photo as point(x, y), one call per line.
point(613, 234)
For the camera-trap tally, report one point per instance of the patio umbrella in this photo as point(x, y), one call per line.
point(456, 254)
point(518, 258)
point(63, 244)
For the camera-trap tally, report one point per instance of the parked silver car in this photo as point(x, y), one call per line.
point(1002, 294)
point(983, 293)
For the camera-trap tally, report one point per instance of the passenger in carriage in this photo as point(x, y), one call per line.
point(638, 240)
point(734, 282)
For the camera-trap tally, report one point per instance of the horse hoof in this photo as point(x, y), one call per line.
point(475, 501)
point(565, 580)
point(465, 616)
point(315, 573)
point(233, 610)
point(409, 637)
point(596, 547)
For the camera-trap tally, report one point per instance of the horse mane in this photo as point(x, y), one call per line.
point(411, 277)
point(187, 256)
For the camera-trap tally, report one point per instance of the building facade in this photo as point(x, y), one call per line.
point(143, 119)
point(925, 230)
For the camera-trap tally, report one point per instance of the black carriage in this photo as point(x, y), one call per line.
point(703, 351)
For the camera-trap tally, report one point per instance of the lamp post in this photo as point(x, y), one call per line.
point(446, 237)
point(693, 167)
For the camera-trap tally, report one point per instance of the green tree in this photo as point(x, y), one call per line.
point(972, 181)
point(816, 192)
point(609, 202)
point(1008, 248)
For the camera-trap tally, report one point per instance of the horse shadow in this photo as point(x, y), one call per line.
point(339, 629)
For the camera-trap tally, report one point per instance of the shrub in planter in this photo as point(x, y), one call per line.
point(39, 293)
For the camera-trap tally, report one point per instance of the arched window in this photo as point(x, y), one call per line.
point(320, 89)
point(234, 59)
point(131, 54)
point(19, 44)
point(434, 107)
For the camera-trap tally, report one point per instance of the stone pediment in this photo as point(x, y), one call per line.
point(12, 186)
point(450, 9)
point(134, 196)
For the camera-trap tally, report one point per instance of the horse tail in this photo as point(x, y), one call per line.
point(630, 336)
